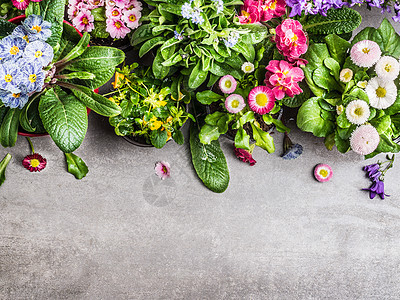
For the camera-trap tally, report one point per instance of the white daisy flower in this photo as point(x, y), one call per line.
point(248, 67)
point(339, 109)
point(346, 75)
point(365, 53)
point(357, 112)
point(362, 84)
point(387, 68)
point(364, 140)
point(381, 93)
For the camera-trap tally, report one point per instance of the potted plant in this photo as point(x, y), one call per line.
point(150, 115)
point(53, 87)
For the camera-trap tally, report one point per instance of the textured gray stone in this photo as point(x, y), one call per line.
point(121, 233)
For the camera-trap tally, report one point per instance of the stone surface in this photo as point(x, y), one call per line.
point(121, 233)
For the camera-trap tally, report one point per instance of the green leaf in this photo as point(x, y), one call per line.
point(381, 124)
point(150, 44)
point(315, 55)
point(343, 145)
point(197, 77)
point(101, 77)
point(390, 39)
point(329, 141)
point(159, 71)
point(97, 57)
point(64, 118)
point(207, 97)
point(158, 138)
point(99, 13)
point(6, 28)
point(76, 166)
point(298, 100)
point(78, 75)
point(336, 21)
point(178, 137)
point(246, 49)
point(309, 119)
point(9, 128)
point(263, 139)
point(69, 39)
point(53, 12)
point(78, 49)
point(395, 107)
point(173, 60)
point(337, 47)
point(323, 78)
point(209, 133)
point(368, 33)
point(342, 121)
point(143, 33)
point(242, 139)
point(209, 162)
point(3, 166)
point(333, 66)
point(95, 102)
point(99, 30)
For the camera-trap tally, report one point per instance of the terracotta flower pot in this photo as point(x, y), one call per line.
point(17, 20)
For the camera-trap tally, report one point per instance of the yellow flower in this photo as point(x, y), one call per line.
point(118, 80)
point(169, 119)
point(154, 123)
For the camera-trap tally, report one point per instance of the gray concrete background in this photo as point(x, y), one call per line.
point(121, 233)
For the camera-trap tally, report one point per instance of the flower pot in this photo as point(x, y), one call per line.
point(17, 20)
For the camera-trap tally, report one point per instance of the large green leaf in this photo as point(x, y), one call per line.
point(95, 102)
point(159, 71)
point(337, 47)
point(263, 139)
point(6, 28)
point(368, 33)
point(323, 78)
point(198, 76)
point(78, 49)
point(102, 76)
point(309, 119)
point(69, 39)
point(209, 162)
point(390, 39)
point(53, 12)
point(3, 166)
point(336, 21)
point(97, 57)
point(9, 128)
point(64, 118)
point(76, 166)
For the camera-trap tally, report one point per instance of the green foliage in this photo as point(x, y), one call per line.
point(9, 128)
point(209, 162)
point(76, 166)
point(6, 28)
point(3, 165)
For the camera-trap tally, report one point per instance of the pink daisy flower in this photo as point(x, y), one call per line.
point(131, 18)
point(34, 162)
point(114, 12)
point(245, 155)
point(21, 4)
point(234, 103)
point(227, 84)
point(84, 21)
point(323, 172)
point(365, 53)
point(261, 100)
point(162, 169)
point(365, 139)
point(116, 28)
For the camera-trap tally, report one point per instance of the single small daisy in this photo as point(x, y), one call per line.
point(34, 162)
point(381, 93)
point(261, 100)
point(357, 112)
point(323, 172)
point(362, 84)
point(162, 169)
point(248, 67)
point(339, 109)
point(365, 139)
point(227, 84)
point(21, 4)
point(387, 68)
point(365, 53)
point(234, 103)
point(346, 75)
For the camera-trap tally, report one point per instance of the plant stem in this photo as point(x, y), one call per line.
point(31, 145)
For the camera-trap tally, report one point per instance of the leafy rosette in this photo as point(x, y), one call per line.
point(355, 103)
point(47, 77)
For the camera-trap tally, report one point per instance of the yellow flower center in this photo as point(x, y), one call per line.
point(388, 68)
point(118, 24)
point(248, 68)
point(132, 18)
point(115, 13)
point(16, 95)
point(366, 50)
point(347, 76)
point(8, 78)
point(261, 99)
point(96, 2)
point(38, 54)
point(358, 111)
point(323, 173)
point(164, 170)
point(228, 84)
point(25, 37)
point(32, 78)
point(85, 21)
point(14, 50)
point(37, 28)
point(235, 104)
point(380, 92)
point(35, 162)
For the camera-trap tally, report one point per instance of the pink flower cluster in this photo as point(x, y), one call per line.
point(290, 39)
point(261, 10)
point(121, 15)
point(283, 79)
point(22, 4)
